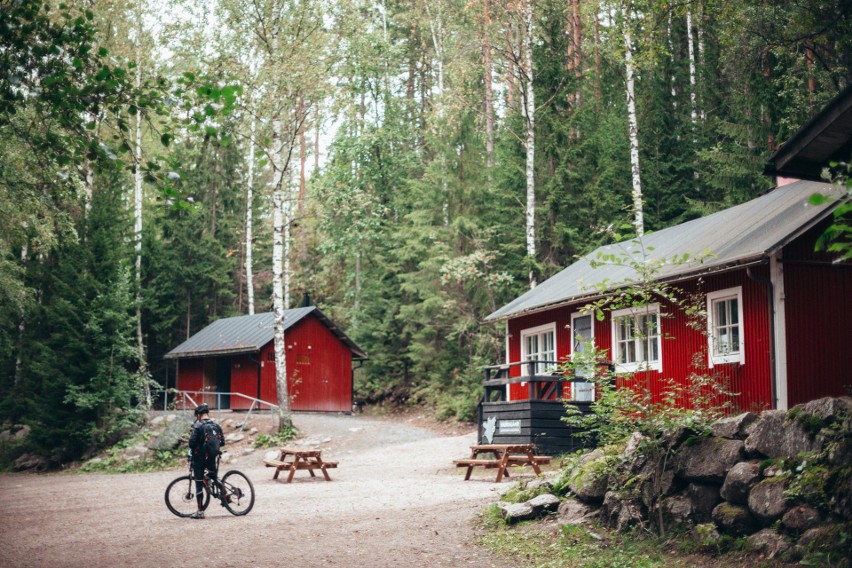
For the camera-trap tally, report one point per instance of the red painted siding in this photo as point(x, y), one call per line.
point(319, 371)
point(680, 344)
point(244, 379)
point(818, 307)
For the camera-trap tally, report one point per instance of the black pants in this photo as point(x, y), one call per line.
point(200, 464)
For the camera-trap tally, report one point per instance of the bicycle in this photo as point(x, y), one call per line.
point(233, 490)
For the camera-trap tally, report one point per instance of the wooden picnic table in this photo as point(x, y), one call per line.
point(292, 459)
point(502, 456)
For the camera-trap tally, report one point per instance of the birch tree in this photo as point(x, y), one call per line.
point(529, 142)
point(287, 36)
point(633, 128)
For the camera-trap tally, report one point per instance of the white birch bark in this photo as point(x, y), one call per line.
point(249, 201)
point(137, 207)
point(288, 222)
point(278, 300)
point(529, 108)
point(489, 93)
point(279, 167)
point(672, 54)
point(693, 113)
point(638, 215)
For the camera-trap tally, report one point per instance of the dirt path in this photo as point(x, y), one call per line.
point(394, 500)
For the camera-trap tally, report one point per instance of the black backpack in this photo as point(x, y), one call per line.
point(213, 439)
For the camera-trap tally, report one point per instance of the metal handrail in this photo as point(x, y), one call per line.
point(185, 396)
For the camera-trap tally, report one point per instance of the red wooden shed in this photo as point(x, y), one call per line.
point(779, 313)
point(235, 355)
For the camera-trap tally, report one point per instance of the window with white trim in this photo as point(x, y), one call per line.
point(636, 339)
point(539, 344)
point(725, 327)
point(582, 340)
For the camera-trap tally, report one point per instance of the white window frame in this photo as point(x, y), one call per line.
point(539, 330)
point(737, 356)
point(635, 366)
point(575, 389)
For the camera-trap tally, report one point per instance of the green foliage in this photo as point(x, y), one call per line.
point(279, 438)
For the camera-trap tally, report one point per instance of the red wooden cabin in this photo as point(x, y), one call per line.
point(778, 312)
point(235, 355)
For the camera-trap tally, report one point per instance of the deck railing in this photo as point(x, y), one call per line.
point(544, 379)
point(188, 400)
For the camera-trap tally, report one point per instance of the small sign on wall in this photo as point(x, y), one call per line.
point(506, 427)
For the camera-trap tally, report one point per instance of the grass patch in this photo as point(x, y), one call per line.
point(277, 439)
point(574, 547)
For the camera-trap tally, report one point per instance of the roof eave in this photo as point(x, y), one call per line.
point(736, 264)
point(211, 352)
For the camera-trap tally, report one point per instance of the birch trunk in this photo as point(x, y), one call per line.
point(693, 103)
point(529, 108)
point(249, 203)
point(285, 414)
point(489, 93)
point(137, 211)
point(638, 215)
point(693, 112)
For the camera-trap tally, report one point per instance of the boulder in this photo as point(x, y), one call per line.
point(234, 437)
point(544, 503)
point(703, 498)
point(822, 539)
point(677, 510)
point(766, 500)
point(734, 427)
point(709, 460)
point(574, 512)
point(776, 437)
point(739, 481)
point(516, 512)
point(801, 518)
point(829, 409)
point(769, 543)
point(621, 513)
point(707, 537)
point(734, 519)
point(590, 479)
point(31, 462)
point(172, 435)
point(539, 484)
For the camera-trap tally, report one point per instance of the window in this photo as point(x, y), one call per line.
point(724, 320)
point(539, 344)
point(582, 339)
point(636, 339)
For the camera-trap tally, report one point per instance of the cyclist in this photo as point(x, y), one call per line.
point(204, 443)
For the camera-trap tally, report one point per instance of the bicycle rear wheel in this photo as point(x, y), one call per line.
point(239, 493)
point(180, 497)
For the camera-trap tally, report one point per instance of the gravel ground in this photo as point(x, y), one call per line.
point(395, 499)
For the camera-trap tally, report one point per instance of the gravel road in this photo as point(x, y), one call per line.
point(394, 500)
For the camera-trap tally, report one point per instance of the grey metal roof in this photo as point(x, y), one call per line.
point(825, 138)
point(248, 334)
point(737, 236)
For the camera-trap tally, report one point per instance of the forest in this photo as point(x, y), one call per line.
point(411, 165)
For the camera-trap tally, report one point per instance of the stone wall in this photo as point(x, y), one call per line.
point(780, 479)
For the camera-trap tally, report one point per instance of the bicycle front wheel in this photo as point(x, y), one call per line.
point(180, 497)
point(239, 493)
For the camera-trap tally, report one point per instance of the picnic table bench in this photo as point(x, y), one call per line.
point(292, 459)
point(502, 456)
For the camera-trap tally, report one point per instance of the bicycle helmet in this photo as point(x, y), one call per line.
point(202, 409)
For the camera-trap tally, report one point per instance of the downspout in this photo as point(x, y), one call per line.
point(770, 293)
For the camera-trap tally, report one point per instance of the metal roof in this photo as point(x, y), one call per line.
point(737, 236)
point(248, 334)
point(825, 138)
